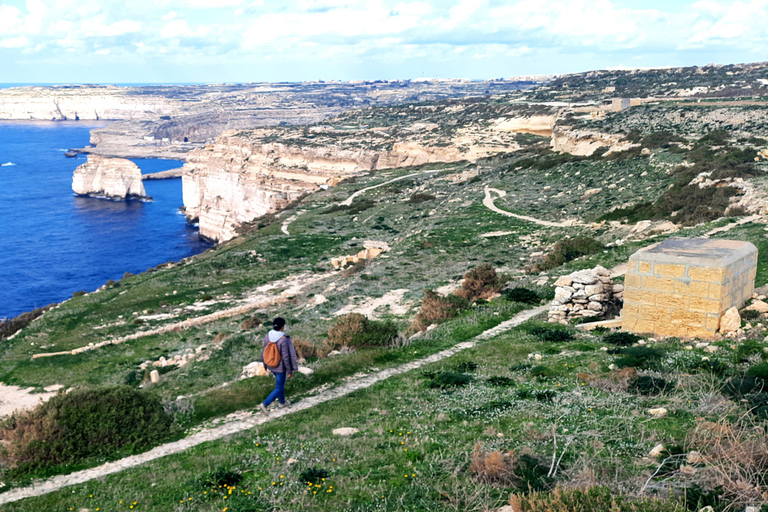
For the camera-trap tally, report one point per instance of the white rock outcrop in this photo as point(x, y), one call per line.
point(114, 178)
point(584, 294)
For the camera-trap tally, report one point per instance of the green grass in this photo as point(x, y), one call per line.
point(408, 428)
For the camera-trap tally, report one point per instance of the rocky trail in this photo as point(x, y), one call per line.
point(241, 424)
point(257, 299)
point(488, 202)
point(348, 201)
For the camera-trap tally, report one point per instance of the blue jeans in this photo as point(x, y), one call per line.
point(279, 391)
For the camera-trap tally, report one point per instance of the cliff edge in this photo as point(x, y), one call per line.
point(113, 178)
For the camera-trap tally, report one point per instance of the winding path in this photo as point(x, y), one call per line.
point(211, 434)
point(488, 202)
point(348, 201)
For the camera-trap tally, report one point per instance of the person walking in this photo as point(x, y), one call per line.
point(279, 356)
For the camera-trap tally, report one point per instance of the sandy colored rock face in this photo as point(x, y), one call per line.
point(115, 178)
point(682, 287)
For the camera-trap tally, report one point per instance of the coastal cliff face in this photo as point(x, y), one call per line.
point(82, 103)
point(249, 173)
point(114, 178)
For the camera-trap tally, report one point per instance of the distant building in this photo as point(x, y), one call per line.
point(616, 104)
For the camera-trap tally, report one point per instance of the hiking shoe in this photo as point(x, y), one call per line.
point(285, 405)
point(264, 409)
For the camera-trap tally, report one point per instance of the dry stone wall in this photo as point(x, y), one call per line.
point(585, 294)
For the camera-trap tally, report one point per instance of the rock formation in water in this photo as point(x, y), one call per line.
point(113, 178)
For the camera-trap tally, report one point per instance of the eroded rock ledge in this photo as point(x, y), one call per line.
point(111, 178)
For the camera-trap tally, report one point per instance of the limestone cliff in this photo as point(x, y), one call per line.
point(249, 173)
point(113, 178)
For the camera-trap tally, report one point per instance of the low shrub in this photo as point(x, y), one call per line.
point(9, 327)
point(567, 250)
point(420, 197)
point(94, 423)
point(444, 380)
point(522, 295)
point(436, 309)
point(747, 349)
point(500, 382)
point(621, 338)
point(759, 371)
point(356, 330)
point(749, 314)
point(253, 322)
point(540, 371)
point(592, 499)
point(313, 475)
point(646, 385)
point(644, 358)
point(307, 349)
point(221, 477)
point(466, 366)
point(739, 387)
point(482, 282)
point(357, 206)
point(551, 334)
point(523, 471)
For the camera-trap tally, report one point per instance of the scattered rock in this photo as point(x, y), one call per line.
point(730, 321)
point(154, 376)
point(759, 306)
point(306, 371)
point(657, 450)
point(255, 369)
point(658, 412)
point(345, 431)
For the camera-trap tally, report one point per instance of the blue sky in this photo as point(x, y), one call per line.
point(119, 41)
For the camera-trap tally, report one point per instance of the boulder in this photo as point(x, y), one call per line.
point(658, 412)
point(154, 376)
point(657, 450)
point(345, 431)
point(306, 371)
point(255, 369)
point(759, 306)
point(730, 321)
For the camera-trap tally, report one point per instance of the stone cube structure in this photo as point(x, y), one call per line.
point(682, 286)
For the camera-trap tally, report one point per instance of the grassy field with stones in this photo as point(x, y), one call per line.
point(537, 408)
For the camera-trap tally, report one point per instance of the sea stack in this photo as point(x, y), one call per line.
point(113, 178)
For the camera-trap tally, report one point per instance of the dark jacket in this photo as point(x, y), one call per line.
point(288, 357)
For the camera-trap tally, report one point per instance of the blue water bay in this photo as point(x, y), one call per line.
point(53, 243)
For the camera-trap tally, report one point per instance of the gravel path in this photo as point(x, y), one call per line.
point(59, 482)
point(488, 202)
point(348, 201)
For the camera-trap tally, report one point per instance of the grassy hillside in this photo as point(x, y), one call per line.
point(478, 426)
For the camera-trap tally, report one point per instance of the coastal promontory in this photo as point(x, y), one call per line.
point(113, 178)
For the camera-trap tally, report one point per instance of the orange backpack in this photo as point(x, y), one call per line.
point(272, 354)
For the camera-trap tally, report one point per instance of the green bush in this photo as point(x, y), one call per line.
point(567, 250)
point(621, 338)
point(356, 330)
point(444, 380)
point(641, 358)
point(522, 295)
point(551, 334)
point(466, 366)
point(759, 371)
point(84, 424)
point(500, 382)
point(739, 387)
point(314, 475)
point(646, 385)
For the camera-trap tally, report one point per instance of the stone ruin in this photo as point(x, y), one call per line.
point(684, 286)
point(585, 294)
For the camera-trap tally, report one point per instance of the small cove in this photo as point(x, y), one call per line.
point(53, 243)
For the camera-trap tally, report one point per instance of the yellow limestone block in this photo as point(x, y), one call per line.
point(682, 286)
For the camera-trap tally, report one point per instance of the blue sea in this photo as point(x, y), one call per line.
point(53, 243)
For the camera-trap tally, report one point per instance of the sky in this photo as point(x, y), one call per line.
point(213, 41)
